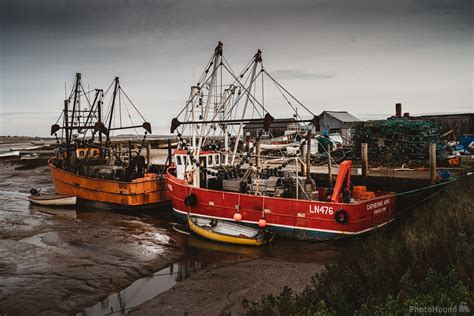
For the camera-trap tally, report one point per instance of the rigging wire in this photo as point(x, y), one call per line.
point(245, 89)
point(294, 98)
point(133, 105)
point(130, 117)
point(107, 90)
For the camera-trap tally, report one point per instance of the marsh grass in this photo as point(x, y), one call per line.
point(426, 260)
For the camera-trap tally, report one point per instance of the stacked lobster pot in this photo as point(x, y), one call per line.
point(397, 142)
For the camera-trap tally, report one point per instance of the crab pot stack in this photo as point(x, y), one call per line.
point(395, 142)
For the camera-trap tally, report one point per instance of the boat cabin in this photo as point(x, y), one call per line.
point(83, 153)
point(185, 167)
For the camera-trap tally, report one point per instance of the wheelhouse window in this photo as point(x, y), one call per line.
point(178, 160)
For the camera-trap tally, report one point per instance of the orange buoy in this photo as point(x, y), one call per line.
point(262, 223)
point(237, 216)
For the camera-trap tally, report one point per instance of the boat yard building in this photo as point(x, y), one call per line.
point(337, 122)
point(460, 124)
point(277, 129)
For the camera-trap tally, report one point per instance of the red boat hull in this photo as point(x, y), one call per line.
point(301, 219)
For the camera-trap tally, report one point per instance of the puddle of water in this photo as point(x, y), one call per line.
point(36, 240)
point(13, 202)
point(43, 240)
point(144, 289)
point(135, 294)
point(201, 254)
point(59, 212)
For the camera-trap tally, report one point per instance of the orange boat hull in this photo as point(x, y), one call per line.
point(142, 193)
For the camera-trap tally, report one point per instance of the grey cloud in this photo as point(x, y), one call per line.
point(285, 74)
point(364, 53)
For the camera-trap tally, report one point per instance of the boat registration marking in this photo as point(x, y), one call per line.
point(321, 209)
point(123, 186)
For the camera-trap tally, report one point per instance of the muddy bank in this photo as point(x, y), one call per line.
point(59, 270)
point(220, 290)
point(58, 264)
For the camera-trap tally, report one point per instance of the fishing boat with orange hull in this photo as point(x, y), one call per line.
point(141, 193)
point(88, 166)
point(274, 192)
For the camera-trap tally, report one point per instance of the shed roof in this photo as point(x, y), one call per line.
point(342, 116)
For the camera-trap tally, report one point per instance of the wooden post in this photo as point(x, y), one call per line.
point(257, 154)
point(308, 158)
point(433, 163)
point(297, 180)
point(303, 159)
point(148, 154)
point(365, 161)
point(169, 160)
point(329, 165)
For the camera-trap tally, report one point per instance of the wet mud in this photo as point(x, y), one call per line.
point(57, 261)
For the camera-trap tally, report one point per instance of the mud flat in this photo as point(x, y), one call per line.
point(58, 264)
point(94, 262)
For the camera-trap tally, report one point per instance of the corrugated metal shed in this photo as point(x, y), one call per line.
point(342, 116)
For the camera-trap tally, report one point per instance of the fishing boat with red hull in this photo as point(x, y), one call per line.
point(232, 182)
point(295, 218)
point(90, 167)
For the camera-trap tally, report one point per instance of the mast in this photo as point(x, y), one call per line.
point(216, 64)
point(225, 101)
point(76, 96)
point(194, 92)
point(257, 59)
point(112, 110)
point(99, 115)
point(66, 125)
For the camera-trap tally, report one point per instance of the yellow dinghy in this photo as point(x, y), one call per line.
point(226, 232)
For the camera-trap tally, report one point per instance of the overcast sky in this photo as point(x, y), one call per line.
point(359, 56)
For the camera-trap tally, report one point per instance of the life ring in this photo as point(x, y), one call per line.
point(189, 177)
point(341, 216)
point(190, 200)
